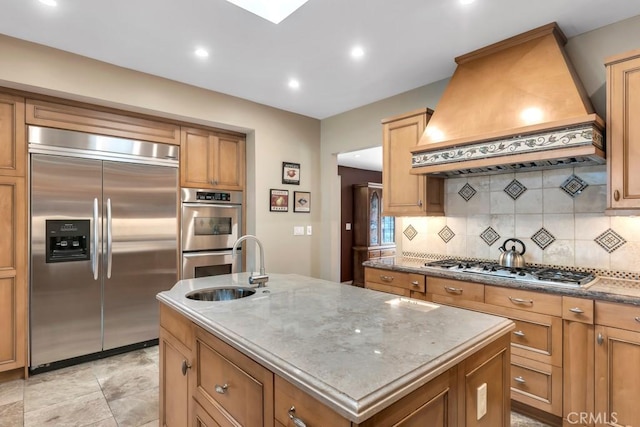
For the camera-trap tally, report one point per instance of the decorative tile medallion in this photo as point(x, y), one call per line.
point(543, 238)
point(574, 185)
point(410, 232)
point(515, 189)
point(489, 236)
point(610, 240)
point(587, 134)
point(446, 234)
point(467, 192)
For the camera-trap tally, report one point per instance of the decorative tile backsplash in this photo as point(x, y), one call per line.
point(558, 214)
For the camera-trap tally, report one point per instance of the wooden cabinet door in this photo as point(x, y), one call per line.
point(12, 136)
point(623, 131)
point(175, 370)
point(208, 160)
point(229, 162)
point(13, 267)
point(617, 368)
point(407, 194)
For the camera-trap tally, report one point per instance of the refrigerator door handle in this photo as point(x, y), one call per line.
point(96, 241)
point(109, 239)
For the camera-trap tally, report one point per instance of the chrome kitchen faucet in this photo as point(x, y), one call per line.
point(262, 277)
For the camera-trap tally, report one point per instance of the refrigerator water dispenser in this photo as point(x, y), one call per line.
point(68, 240)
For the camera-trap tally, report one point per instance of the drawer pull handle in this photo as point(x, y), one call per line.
point(296, 421)
point(222, 389)
point(519, 334)
point(616, 195)
point(600, 339)
point(415, 283)
point(637, 319)
point(576, 310)
point(185, 365)
point(451, 290)
point(521, 301)
point(520, 380)
point(386, 278)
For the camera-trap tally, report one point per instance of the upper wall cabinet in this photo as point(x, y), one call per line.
point(407, 194)
point(49, 114)
point(623, 132)
point(12, 140)
point(211, 160)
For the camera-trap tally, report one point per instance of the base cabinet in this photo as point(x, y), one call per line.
point(206, 382)
point(617, 365)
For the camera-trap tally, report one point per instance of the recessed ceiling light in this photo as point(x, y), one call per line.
point(294, 84)
point(466, 1)
point(201, 52)
point(271, 10)
point(49, 2)
point(357, 52)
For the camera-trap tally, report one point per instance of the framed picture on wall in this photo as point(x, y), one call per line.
point(291, 173)
point(279, 200)
point(301, 201)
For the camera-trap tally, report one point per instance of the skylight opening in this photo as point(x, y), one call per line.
point(271, 10)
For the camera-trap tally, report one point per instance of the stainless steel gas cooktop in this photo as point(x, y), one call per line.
point(534, 275)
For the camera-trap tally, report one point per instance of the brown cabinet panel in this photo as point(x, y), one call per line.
point(623, 130)
point(231, 387)
point(454, 290)
point(49, 114)
point(536, 384)
point(403, 282)
point(617, 370)
point(201, 418)
point(577, 370)
point(535, 302)
point(12, 136)
point(174, 383)
point(577, 309)
point(623, 316)
point(211, 160)
point(13, 269)
point(407, 194)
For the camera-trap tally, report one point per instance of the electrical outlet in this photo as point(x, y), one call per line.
point(309, 230)
point(298, 230)
point(481, 401)
point(347, 226)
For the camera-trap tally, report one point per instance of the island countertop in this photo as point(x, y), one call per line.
point(355, 350)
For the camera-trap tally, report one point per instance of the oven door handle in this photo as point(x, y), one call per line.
point(207, 253)
point(225, 205)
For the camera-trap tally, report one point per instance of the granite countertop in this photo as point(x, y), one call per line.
point(355, 350)
point(602, 288)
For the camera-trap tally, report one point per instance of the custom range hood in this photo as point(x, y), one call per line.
point(517, 104)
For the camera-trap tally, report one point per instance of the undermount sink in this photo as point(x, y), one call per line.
point(220, 294)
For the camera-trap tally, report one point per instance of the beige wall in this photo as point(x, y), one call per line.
point(360, 128)
point(274, 135)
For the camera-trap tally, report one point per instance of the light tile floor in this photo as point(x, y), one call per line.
point(119, 391)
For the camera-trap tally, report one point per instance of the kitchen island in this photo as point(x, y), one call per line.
point(327, 354)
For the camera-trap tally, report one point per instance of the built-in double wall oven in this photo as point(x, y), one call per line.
point(211, 223)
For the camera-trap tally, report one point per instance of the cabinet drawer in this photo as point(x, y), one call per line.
point(456, 289)
point(535, 302)
point(290, 400)
point(374, 254)
point(537, 384)
point(533, 336)
point(387, 252)
point(229, 385)
point(623, 316)
point(396, 279)
point(577, 310)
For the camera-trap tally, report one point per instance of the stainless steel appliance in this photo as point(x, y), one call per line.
point(211, 223)
point(534, 275)
point(103, 242)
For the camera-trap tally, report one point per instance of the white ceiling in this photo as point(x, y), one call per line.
point(407, 43)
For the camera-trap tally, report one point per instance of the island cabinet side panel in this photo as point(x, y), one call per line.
point(231, 387)
point(435, 404)
point(486, 372)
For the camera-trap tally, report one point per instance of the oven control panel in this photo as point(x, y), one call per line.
point(193, 195)
point(213, 196)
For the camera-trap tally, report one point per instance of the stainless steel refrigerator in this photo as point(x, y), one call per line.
point(103, 242)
